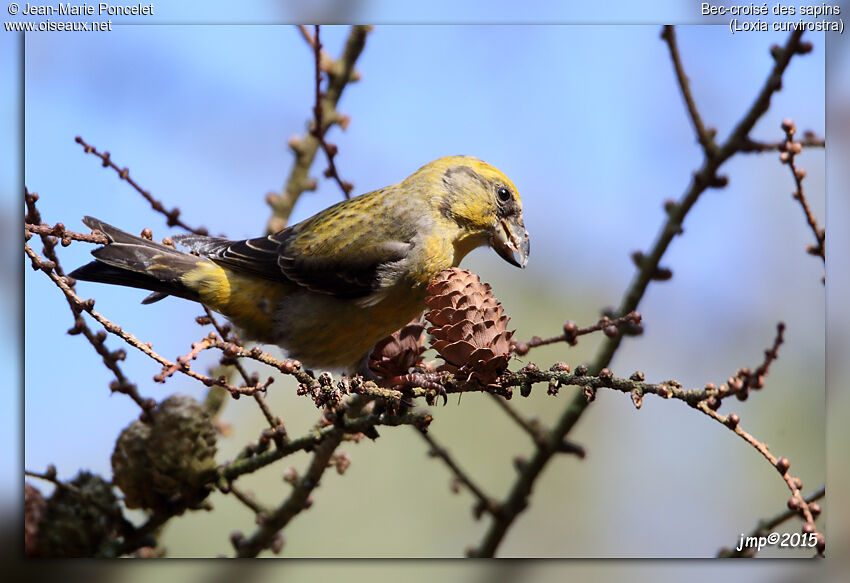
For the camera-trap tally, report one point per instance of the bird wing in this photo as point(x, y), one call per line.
point(346, 267)
point(317, 254)
point(256, 256)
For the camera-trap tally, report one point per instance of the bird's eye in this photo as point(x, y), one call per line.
point(504, 194)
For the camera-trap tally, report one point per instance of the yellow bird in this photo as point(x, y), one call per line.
point(328, 288)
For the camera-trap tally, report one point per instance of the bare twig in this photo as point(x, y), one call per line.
point(340, 73)
point(755, 379)
point(319, 126)
point(630, 323)
point(58, 230)
point(182, 361)
point(287, 366)
point(810, 140)
point(53, 268)
point(172, 216)
point(224, 332)
point(50, 475)
point(534, 430)
point(248, 499)
point(704, 136)
point(558, 375)
point(770, 355)
point(311, 41)
point(746, 379)
point(485, 503)
point(788, 156)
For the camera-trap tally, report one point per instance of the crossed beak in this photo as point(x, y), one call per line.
point(510, 241)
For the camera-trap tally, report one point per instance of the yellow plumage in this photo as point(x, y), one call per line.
point(328, 288)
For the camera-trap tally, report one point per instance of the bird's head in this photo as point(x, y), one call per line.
point(484, 204)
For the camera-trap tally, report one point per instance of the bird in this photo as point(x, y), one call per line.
point(327, 289)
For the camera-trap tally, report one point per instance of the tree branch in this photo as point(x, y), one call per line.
point(267, 534)
point(517, 499)
point(340, 74)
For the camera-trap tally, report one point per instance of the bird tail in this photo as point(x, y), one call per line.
point(132, 261)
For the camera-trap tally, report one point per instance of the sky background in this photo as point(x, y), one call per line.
point(589, 124)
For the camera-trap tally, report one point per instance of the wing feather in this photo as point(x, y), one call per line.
point(346, 262)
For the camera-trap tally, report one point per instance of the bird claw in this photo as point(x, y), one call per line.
point(440, 391)
point(428, 381)
point(438, 388)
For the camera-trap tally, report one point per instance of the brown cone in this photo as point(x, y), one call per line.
point(167, 464)
point(468, 328)
point(396, 354)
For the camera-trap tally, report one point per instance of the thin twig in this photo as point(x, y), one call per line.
point(172, 216)
point(58, 230)
point(340, 73)
point(485, 503)
point(319, 126)
point(225, 336)
point(534, 431)
point(746, 379)
point(788, 156)
point(53, 268)
point(810, 140)
point(248, 499)
point(630, 323)
point(770, 354)
point(287, 366)
point(183, 361)
point(704, 136)
point(50, 475)
point(224, 332)
point(305, 32)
